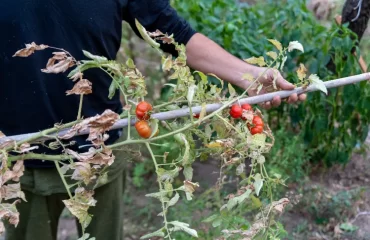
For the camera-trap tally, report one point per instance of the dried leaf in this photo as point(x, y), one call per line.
point(60, 62)
point(26, 147)
point(260, 61)
point(272, 55)
point(30, 49)
point(82, 171)
point(11, 191)
point(276, 43)
point(319, 84)
point(81, 87)
point(301, 72)
point(105, 157)
point(280, 205)
point(295, 45)
point(77, 76)
point(9, 211)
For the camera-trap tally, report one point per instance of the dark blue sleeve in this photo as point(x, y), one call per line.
point(159, 14)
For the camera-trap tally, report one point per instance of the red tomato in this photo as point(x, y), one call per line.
point(236, 111)
point(143, 128)
point(247, 107)
point(257, 121)
point(143, 110)
point(257, 129)
point(196, 115)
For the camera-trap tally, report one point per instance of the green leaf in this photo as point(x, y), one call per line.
point(184, 227)
point(210, 218)
point(130, 63)
point(319, 84)
point(158, 233)
point(231, 90)
point(153, 126)
point(112, 89)
point(174, 200)
point(94, 57)
point(258, 183)
point(188, 172)
point(348, 227)
point(86, 237)
point(145, 35)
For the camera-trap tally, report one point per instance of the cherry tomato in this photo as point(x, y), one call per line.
point(257, 129)
point(196, 115)
point(247, 107)
point(257, 121)
point(143, 128)
point(236, 111)
point(143, 110)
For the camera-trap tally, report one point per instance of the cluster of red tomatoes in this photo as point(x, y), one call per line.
point(236, 111)
point(143, 111)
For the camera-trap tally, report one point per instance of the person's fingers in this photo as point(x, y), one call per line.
point(293, 98)
point(302, 97)
point(276, 101)
point(267, 105)
point(283, 84)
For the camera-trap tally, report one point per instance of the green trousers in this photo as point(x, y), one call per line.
point(44, 192)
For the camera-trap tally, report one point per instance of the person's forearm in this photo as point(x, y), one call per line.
point(206, 56)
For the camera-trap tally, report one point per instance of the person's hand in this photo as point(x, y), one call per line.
point(281, 84)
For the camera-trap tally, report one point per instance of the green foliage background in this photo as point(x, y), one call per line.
point(330, 126)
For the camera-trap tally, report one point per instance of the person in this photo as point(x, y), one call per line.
point(31, 100)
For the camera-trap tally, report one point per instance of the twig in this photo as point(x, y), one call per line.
point(213, 107)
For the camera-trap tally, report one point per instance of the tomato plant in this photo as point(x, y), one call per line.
point(228, 139)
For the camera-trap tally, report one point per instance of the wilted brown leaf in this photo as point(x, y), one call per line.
point(280, 205)
point(79, 210)
point(104, 157)
point(60, 62)
point(11, 191)
point(14, 174)
point(7, 143)
point(26, 147)
point(30, 49)
point(98, 125)
point(301, 72)
point(190, 186)
point(80, 204)
point(82, 171)
point(81, 87)
point(9, 211)
point(77, 76)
